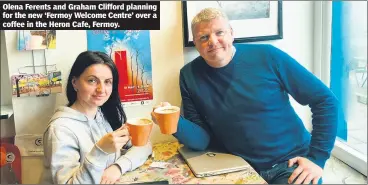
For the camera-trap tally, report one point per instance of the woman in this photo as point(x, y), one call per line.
point(83, 141)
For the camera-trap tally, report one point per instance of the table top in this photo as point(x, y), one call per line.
point(178, 172)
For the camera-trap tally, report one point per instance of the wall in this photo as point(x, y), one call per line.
point(5, 80)
point(297, 42)
point(31, 114)
point(7, 128)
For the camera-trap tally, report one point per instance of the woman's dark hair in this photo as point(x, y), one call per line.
point(112, 108)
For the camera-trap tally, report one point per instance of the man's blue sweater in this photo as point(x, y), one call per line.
point(244, 106)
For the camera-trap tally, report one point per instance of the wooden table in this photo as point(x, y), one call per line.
point(178, 172)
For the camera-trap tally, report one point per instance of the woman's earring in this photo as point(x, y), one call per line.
point(76, 90)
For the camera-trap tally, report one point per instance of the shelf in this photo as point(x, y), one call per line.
point(6, 111)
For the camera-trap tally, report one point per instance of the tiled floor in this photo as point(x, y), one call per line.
point(337, 172)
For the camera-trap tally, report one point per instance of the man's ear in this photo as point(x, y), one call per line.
point(193, 31)
point(232, 33)
point(195, 46)
point(193, 37)
point(194, 43)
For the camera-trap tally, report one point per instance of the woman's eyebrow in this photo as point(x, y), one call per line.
point(99, 78)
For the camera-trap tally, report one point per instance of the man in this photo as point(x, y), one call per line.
point(237, 97)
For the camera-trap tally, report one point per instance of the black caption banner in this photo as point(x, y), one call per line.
point(80, 15)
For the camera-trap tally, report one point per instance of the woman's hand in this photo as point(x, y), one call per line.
point(114, 141)
point(111, 175)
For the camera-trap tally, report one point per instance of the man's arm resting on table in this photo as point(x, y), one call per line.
point(191, 131)
point(192, 135)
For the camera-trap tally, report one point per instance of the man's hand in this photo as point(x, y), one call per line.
point(162, 104)
point(306, 170)
point(111, 175)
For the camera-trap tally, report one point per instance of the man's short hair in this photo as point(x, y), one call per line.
point(208, 14)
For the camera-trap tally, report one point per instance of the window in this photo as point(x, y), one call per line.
point(348, 80)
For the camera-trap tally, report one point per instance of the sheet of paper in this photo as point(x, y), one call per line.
point(157, 164)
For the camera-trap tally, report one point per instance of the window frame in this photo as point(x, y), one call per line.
point(321, 68)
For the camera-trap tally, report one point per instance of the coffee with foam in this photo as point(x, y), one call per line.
point(140, 122)
point(166, 110)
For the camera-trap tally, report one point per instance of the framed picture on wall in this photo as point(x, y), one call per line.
point(251, 20)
